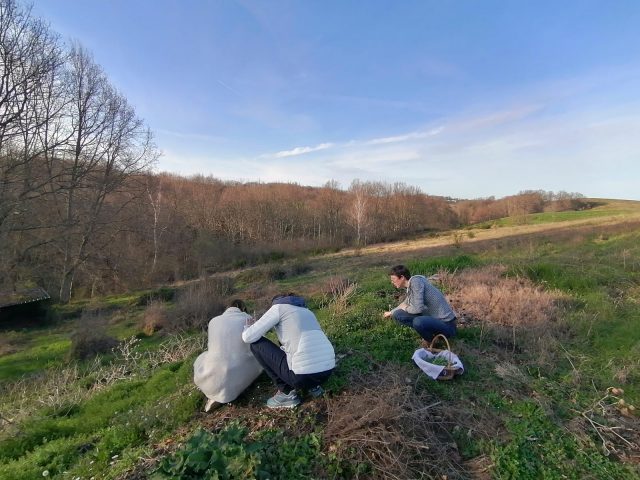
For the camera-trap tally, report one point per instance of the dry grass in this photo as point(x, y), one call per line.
point(337, 294)
point(514, 309)
point(382, 422)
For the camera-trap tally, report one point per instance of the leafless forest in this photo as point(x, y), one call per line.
point(82, 211)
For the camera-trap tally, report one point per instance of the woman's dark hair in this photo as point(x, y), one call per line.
point(400, 271)
point(239, 304)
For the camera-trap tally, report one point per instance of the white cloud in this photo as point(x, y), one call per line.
point(302, 150)
point(405, 137)
point(528, 143)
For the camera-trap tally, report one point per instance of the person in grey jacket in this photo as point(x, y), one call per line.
point(306, 357)
point(424, 308)
point(227, 367)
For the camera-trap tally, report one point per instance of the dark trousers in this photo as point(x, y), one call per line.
point(427, 327)
point(274, 362)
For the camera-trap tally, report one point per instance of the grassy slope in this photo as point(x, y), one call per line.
point(534, 411)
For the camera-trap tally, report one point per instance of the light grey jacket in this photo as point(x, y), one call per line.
point(307, 348)
point(227, 367)
point(424, 298)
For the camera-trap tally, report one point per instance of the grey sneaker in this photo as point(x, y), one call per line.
point(282, 400)
point(316, 391)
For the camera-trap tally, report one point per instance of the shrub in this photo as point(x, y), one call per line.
point(200, 301)
point(166, 294)
point(155, 317)
point(299, 268)
point(516, 310)
point(90, 338)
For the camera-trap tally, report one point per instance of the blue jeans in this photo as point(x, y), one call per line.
point(427, 327)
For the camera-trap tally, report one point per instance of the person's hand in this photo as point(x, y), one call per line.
point(386, 314)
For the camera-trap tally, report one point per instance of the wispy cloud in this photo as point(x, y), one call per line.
point(302, 150)
point(224, 85)
point(404, 138)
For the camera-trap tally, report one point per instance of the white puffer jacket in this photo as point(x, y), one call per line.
point(307, 348)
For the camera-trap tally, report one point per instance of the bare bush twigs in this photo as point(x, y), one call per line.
point(615, 423)
point(198, 302)
point(383, 423)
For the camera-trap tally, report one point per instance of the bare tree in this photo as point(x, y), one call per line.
point(31, 102)
point(358, 212)
point(110, 143)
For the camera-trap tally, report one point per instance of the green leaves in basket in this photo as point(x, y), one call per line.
point(439, 361)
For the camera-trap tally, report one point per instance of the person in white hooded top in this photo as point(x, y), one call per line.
point(306, 357)
point(228, 367)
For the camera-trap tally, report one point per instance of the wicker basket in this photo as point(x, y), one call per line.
point(449, 371)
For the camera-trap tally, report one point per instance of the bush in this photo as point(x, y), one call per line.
point(518, 312)
point(200, 301)
point(338, 293)
point(90, 338)
point(155, 317)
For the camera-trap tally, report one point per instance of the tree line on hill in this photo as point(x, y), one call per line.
point(82, 213)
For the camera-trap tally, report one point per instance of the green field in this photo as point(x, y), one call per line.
point(609, 209)
point(547, 341)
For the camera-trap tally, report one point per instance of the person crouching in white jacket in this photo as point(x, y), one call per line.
point(306, 357)
point(227, 368)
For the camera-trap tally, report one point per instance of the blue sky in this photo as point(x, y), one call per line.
point(461, 98)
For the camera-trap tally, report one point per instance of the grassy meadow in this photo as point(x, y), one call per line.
point(549, 335)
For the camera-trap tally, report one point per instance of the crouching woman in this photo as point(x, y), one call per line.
point(305, 358)
point(227, 367)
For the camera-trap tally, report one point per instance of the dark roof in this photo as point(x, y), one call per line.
point(9, 299)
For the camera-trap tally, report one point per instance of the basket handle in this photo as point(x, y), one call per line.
point(433, 341)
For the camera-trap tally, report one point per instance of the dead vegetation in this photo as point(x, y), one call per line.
point(513, 309)
point(90, 337)
point(155, 318)
point(382, 422)
point(195, 305)
point(337, 294)
point(616, 425)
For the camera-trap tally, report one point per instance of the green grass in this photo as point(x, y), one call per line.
point(115, 421)
point(549, 217)
point(539, 448)
point(39, 351)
